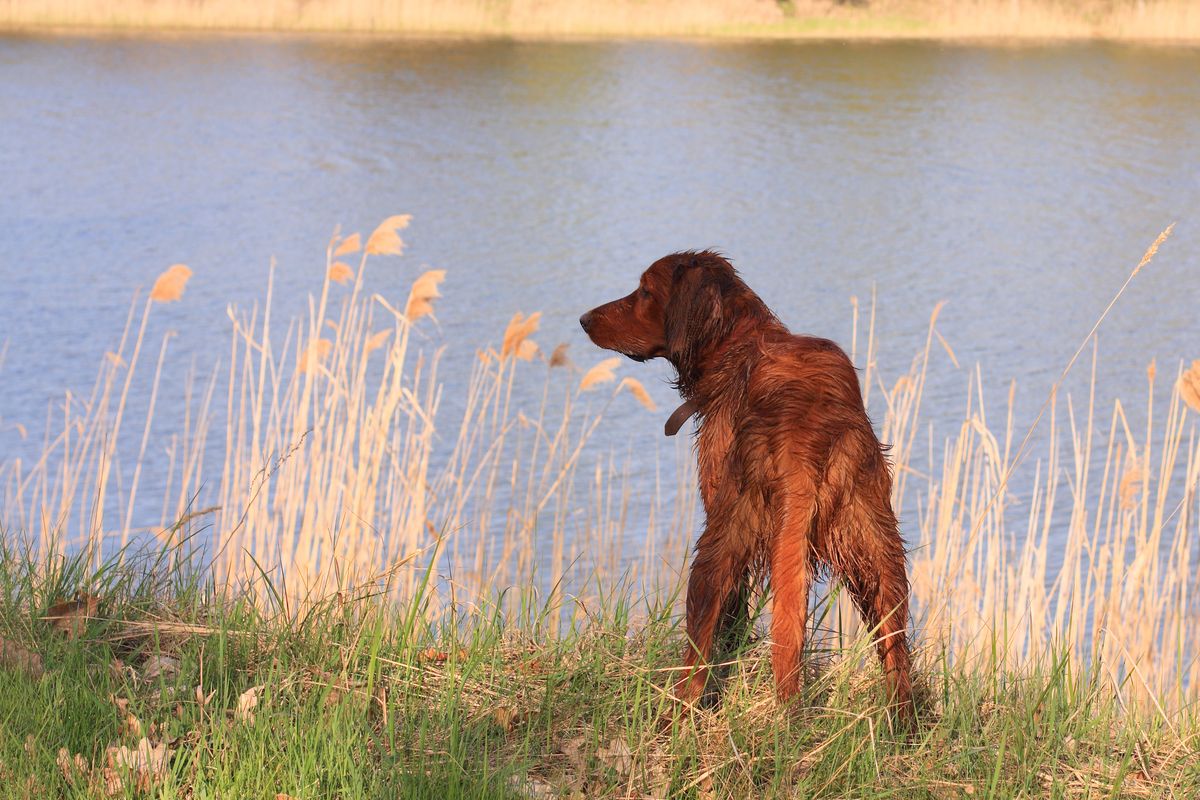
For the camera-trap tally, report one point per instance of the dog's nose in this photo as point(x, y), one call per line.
point(585, 321)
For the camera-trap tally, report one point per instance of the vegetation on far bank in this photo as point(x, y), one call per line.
point(149, 683)
point(1177, 20)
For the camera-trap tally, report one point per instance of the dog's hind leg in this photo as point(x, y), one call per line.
point(791, 580)
point(875, 576)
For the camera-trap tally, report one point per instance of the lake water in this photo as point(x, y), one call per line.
point(1020, 184)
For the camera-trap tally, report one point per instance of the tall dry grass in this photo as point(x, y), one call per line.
point(1122, 19)
point(335, 467)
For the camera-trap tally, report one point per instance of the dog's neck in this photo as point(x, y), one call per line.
point(705, 385)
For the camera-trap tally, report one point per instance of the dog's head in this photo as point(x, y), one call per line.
point(685, 304)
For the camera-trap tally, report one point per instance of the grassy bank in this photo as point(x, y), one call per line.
point(1177, 20)
point(153, 684)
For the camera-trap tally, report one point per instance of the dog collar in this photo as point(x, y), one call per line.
point(678, 417)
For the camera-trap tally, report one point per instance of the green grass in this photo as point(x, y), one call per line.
point(362, 700)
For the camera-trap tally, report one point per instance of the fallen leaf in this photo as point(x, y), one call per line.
point(617, 755)
point(72, 768)
point(530, 787)
point(431, 655)
point(247, 701)
point(157, 666)
point(203, 699)
point(379, 708)
point(131, 727)
point(574, 750)
point(14, 656)
point(70, 616)
point(505, 717)
point(146, 763)
point(112, 782)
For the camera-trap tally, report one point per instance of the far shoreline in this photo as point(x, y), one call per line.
point(979, 22)
point(961, 39)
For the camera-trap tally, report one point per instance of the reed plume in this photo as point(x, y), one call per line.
point(385, 240)
point(170, 284)
point(601, 373)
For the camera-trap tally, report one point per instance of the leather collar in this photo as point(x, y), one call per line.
point(678, 417)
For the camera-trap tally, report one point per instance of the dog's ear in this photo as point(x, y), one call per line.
point(695, 314)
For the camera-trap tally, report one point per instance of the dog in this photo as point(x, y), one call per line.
point(792, 476)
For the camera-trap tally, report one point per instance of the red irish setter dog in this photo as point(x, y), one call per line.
point(791, 473)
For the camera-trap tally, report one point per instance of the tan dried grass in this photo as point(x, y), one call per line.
point(330, 476)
